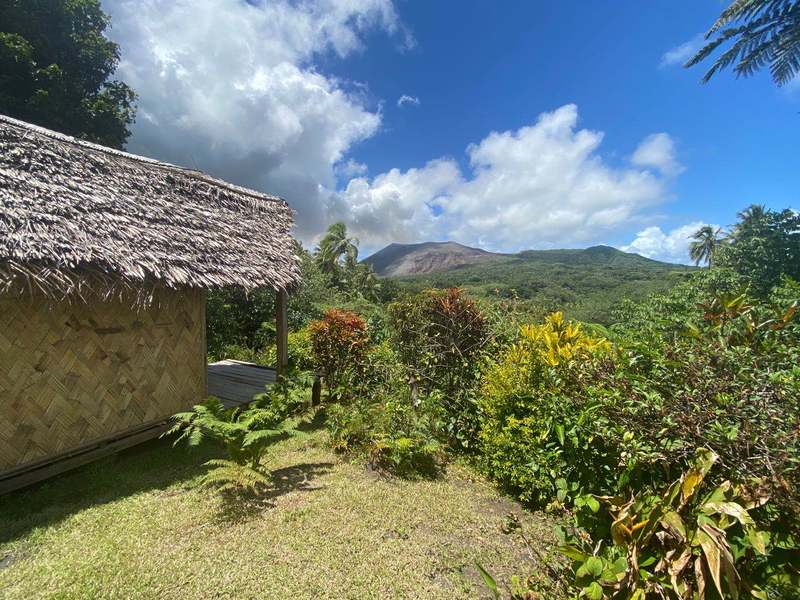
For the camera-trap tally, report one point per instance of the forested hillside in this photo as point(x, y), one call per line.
point(587, 284)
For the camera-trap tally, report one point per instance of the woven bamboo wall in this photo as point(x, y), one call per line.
point(71, 374)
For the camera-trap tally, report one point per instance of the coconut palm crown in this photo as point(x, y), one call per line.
point(706, 241)
point(762, 33)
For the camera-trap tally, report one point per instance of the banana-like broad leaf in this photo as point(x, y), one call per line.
point(488, 580)
point(718, 559)
point(732, 509)
point(704, 460)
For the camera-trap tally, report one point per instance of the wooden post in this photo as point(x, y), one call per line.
point(282, 332)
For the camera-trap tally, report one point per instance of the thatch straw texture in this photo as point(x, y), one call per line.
point(76, 216)
point(74, 373)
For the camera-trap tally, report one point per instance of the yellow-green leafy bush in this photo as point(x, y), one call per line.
point(534, 430)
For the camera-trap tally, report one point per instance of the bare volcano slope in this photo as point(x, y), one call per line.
point(397, 260)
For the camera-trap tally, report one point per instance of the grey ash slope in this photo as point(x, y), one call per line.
point(398, 260)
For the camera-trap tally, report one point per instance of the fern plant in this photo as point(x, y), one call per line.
point(245, 433)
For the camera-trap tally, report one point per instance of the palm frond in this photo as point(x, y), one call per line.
point(766, 34)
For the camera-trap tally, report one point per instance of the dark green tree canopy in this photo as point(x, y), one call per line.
point(56, 70)
point(763, 247)
point(761, 33)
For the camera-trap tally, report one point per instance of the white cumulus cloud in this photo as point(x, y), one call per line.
point(234, 88)
point(682, 52)
point(406, 99)
point(351, 168)
point(231, 88)
point(670, 246)
point(542, 185)
point(658, 151)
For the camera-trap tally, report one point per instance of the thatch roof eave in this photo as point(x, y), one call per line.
point(72, 212)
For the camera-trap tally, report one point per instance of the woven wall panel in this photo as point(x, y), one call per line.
point(71, 374)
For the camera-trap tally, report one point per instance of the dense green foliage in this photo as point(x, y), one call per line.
point(246, 433)
point(763, 246)
point(535, 429)
point(440, 337)
point(56, 69)
point(676, 544)
point(594, 423)
point(760, 33)
point(587, 285)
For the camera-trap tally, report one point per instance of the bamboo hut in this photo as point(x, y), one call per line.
point(105, 259)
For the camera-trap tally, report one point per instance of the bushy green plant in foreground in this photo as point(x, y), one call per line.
point(245, 433)
point(689, 541)
point(564, 429)
point(534, 427)
point(383, 421)
point(441, 337)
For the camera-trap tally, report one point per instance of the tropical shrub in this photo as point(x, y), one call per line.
point(340, 342)
point(730, 383)
point(441, 337)
point(404, 441)
point(535, 425)
point(384, 423)
point(690, 541)
point(565, 427)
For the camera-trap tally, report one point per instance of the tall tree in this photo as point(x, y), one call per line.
point(705, 242)
point(56, 69)
point(334, 246)
point(764, 246)
point(761, 33)
point(752, 217)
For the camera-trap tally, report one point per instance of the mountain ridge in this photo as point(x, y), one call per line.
point(407, 260)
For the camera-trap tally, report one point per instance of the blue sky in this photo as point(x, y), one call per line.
point(301, 99)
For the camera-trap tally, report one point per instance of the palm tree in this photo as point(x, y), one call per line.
point(763, 32)
point(705, 244)
point(750, 221)
point(366, 282)
point(333, 246)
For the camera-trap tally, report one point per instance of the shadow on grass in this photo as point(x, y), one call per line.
point(237, 508)
point(153, 465)
point(148, 466)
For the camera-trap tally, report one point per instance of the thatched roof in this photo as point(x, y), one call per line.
point(77, 216)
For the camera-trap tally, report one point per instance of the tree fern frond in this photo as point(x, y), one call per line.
point(263, 436)
point(229, 475)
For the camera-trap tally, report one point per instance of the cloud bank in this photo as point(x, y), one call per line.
point(234, 88)
point(231, 88)
point(671, 246)
point(542, 185)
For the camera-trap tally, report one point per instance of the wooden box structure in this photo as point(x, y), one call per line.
point(105, 259)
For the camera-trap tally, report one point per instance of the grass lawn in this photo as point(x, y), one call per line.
point(137, 526)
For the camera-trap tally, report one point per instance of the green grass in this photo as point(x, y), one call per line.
point(137, 525)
